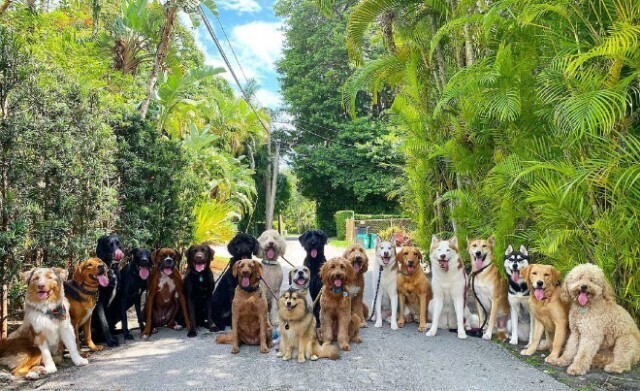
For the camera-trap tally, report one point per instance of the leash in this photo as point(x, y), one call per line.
point(317, 298)
point(269, 288)
point(375, 298)
point(472, 277)
point(285, 259)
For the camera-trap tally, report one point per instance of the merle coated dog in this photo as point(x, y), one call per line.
point(198, 287)
point(109, 251)
point(242, 246)
point(313, 242)
point(133, 283)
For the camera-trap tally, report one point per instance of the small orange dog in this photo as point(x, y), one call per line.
point(414, 289)
point(335, 304)
point(360, 263)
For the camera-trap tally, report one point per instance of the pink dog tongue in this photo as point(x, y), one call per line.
point(167, 271)
point(538, 293)
point(144, 273)
point(515, 276)
point(583, 298)
point(42, 295)
point(300, 281)
point(244, 282)
point(200, 267)
point(118, 255)
point(337, 282)
point(103, 280)
point(478, 263)
point(270, 253)
point(410, 269)
point(356, 267)
point(314, 253)
point(444, 265)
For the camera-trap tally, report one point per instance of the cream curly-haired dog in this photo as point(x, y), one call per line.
point(603, 334)
point(272, 247)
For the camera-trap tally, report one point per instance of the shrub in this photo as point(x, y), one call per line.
point(340, 218)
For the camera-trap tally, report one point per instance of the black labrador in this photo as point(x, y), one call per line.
point(242, 246)
point(313, 242)
point(109, 250)
point(198, 287)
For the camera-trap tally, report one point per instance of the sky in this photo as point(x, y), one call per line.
point(255, 35)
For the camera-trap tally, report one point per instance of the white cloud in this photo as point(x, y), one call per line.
point(259, 42)
point(268, 98)
point(239, 5)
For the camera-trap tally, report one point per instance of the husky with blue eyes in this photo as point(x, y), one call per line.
point(518, 294)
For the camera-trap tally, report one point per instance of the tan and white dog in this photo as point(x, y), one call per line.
point(272, 247)
point(488, 287)
point(448, 284)
point(30, 350)
point(386, 291)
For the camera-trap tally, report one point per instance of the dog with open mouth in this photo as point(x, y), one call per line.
point(82, 293)
point(337, 321)
point(360, 263)
point(488, 287)
point(34, 349)
point(250, 323)
point(603, 334)
point(448, 283)
point(414, 289)
point(297, 329)
point(299, 278)
point(313, 242)
point(550, 313)
point(198, 287)
point(518, 294)
point(166, 294)
point(385, 281)
point(109, 250)
point(272, 247)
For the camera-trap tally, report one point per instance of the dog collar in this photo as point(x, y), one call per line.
point(58, 313)
point(340, 291)
point(250, 289)
point(268, 262)
point(79, 287)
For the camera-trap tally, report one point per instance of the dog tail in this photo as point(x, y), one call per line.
point(326, 350)
point(365, 311)
point(224, 339)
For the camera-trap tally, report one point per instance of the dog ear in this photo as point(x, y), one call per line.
point(154, 255)
point(256, 246)
point(400, 256)
point(234, 269)
point(454, 241)
point(26, 276)
point(291, 276)
point(62, 274)
point(607, 290)
point(77, 273)
point(564, 291)
point(523, 249)
point(211, 253)
point(492, 240)
point(509, 250)
point(258, 268)
point(190, 253)
point(525, 274)
point(260, 252)
point(351, 273)
point(434, 240)
point(304, 237)
point(324, 237)
point(555, 276)
point(419, 255)
point(178, 255)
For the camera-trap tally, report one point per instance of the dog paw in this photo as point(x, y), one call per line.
point(432, 332)
point(264, 349)
point(112, 343)
point(286, 357)
point(422, 329)
point(214, 329)
point(576, 370)
point(363, 325)
point(144, 336)
point(525, 352)
point(235, 350)
point(394, 326)
point(378, 324)
point(177, 327)
point(616, 368)
point(401, 323)
point(551, 359)
point(462, 334)
point(486, 336)
point(96, 348)
point(563, 362)
point(81, 362)
point(128, 337)
point(35, 373)
point(280, 353)
point(356, 339)
point(192, 333)
point(301, 360)
point(513, 341)
point(51, 368)
point(313, 357)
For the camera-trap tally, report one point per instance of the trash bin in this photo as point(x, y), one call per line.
point(363, 240)
point(373, 239)
point(362, 230)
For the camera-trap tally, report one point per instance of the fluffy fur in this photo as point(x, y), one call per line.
point(297, 329)
point(360, 263)
point(242, 246)
point(448, 283)
point(603, 334)
point(271, 248)
point(489, 286)
point(198, 287)
point(336, 318)
point(388, 288)
point(29, 351)
point(250, 321)
point(518, 294)
point(549, 312)
point(299, 278)
point(82, 293)
point(313, 242)
point(109, 250)
point(414, 289)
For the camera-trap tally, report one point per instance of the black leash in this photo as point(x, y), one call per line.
point(375, 298)
point(472, 277)
point(285, 259)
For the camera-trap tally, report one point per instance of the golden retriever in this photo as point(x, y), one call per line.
point(549, 311)
point(603, 334)
point(360, 263)
point(414, 289)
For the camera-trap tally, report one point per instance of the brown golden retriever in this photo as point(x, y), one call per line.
point(336, 317)
point(550, 313)
point(250, 314)
point(414, 289)
point(360, 263)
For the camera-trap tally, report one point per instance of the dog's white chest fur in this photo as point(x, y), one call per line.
point(166, 281)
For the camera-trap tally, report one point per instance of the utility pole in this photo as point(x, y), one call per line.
point(271, 181)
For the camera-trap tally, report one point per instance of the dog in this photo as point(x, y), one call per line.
point(414, 289)
point(313, 242)
point(360, 263)
point(488, 287)
point(271, 247)
point(297, 329)
point(299, 278)
point(242, 246)
point(34, 348)
point(198, 287)
point(448, 283)
point(336, 317)
point(385, 279)
point(165, 293)
point(82, 293)
point(603, 334)
point(550, 313)
point(134, 278)
point(518, 293)
point(109, 250)
point(250, 323)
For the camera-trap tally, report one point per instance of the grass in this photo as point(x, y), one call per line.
point(339, 243)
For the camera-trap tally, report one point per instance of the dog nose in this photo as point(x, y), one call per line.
point(478, 253)
point(584, 287)
point(443, 256)
point(515, 267)
point(41, 286)
point(539, 283)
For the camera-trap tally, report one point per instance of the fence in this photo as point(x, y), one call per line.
point(377, 225)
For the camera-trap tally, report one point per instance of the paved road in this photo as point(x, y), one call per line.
point(403, 360)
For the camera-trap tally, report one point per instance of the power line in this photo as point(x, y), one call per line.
point(246, 79)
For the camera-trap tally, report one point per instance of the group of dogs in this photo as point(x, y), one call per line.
point(577, 319)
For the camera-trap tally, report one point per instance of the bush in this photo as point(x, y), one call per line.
point(341, 218)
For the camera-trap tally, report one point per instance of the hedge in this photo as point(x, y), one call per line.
point(340, 218)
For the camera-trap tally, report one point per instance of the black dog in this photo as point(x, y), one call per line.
point(108, 249)
point(198, 287)
point(133, 283)
point(242, 246)
point(313, 242)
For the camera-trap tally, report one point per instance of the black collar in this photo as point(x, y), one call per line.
point(58, 313)
point(79, 287)
point(250, 289)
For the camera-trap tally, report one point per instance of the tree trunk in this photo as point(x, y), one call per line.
point(5, 5)
point(440, 65)
point(161, 54)
point(386, 25)
point(271, 196)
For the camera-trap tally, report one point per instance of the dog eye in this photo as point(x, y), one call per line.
point(535, 273)
point(546, 274)
point(484, 246)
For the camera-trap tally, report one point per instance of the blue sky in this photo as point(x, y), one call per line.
point(256, 36)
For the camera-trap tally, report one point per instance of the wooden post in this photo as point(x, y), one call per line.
point(279, 223)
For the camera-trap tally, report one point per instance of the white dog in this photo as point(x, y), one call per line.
point(299, 278)
point(448, 284)
point(272, 247)
point(388, 288)
point(518, 294)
